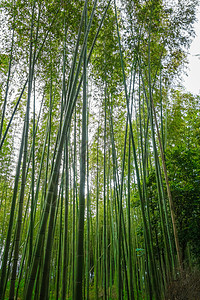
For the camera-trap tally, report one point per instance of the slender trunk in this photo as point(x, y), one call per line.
point(80, 237)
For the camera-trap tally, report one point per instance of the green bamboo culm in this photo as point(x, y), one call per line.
point(22, 191)
point(104, 205)
point(80, 234)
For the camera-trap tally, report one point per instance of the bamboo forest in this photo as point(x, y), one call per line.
point(99, 151)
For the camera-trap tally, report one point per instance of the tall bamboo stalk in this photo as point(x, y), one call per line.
point(80, 236)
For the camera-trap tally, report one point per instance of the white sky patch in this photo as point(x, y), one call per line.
point(191, 78)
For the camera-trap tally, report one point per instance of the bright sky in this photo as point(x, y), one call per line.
point(192, 81)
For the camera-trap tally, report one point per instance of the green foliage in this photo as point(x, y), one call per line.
point(170, 35)
point(106, 60)
point(4, 61)
point(183, 161)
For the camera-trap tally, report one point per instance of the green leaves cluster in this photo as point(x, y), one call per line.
point(183, 161)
